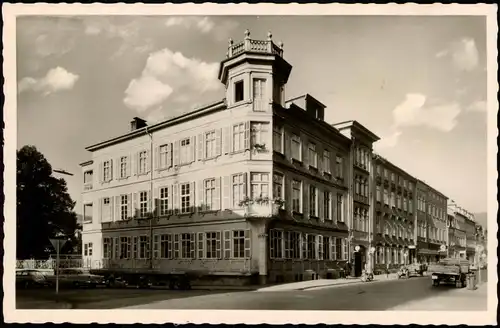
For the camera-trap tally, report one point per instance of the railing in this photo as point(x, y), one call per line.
point(261, 210)
point(64, 262)
point(254, 46)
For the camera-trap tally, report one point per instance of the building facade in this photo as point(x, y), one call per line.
point(360, 203)
point(395, 215)
point(432, 221)
point(457, 239)
point(250, 187)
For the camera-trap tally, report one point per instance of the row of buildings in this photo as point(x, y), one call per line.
point(256, 187)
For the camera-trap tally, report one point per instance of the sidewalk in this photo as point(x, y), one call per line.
point(322, 283)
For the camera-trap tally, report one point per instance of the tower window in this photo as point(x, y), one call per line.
point(238, 91)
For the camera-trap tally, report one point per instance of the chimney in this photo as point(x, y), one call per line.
point(137, 123)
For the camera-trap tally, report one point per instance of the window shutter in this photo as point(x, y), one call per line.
point(169, 155)
point(136, 163)
point(245, 184)
point(111, 207)
point(156, 202)
point(191, 197)
point(287, 192)
point(304, 245)
point(305, 152)
point(226, 192)
point(175, 198)
point(136, 205)
point(192, 144)
point(248, 251)
point(176, 152)
point(176, 246)
point(218, 245)
point(305, 200)
point(101, 172)
point(200, 147)
point(333, 253)
point(320, 247)
point(116, 248)
point(288, 145)
point(201, 250)
point(271, 243)
point(247, 135)
point(111, 169)
point(118, 208)
point(156, 252)
point(169, 246)
point(226, 139)
point(216, 201)
point(170, 199)
point(149, 201)
point(129, 239)
point(218, 140)
point(157, 158)
point(134, 247)
point(201, 206)
point(227, 244)
point(321, 204)
point(148, 161)
point(100, 209)
point(344, 249)
point(192, 243)
point(129, 165)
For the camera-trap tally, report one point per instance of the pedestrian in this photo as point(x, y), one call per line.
point(387, 270)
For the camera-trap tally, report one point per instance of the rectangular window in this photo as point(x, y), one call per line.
point(259, 183)
point(326, 248)
point(238, 188)
point(163, 201)
point(276, 244)
point(327, 205)
point(210, 144)
point(313, 201)
point(87, 249)
point(297, 196)
point(209, 194)
point(106, 248)
point(239, 244)
point(166, 246)
point(259, 92)
point(278, 139)
point(88, 176)
point(326, 161)
point(238, 91)
point(143, 247)
point(125, 247)
point(211, 245)
point(123, 167)
point(259, 133)
point(187, 245)
point(88, 213)
point(186, 151)
point(313, 155)
point(185, 198)
point(292, 245)
point(106, 209)
point(107, 171)
point(378, 194)
point(311, 247)
point(238, 137)
point(124, 207)
point(339, 163)
point(278, 186)
point(165, 156)
point(340, 208)
point(296, 147)
point(143, 204)
point(143, 162)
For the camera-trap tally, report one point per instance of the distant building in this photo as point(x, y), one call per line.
point(456, 233)
point(463, 225)
point(394, 197)
point(432, 218)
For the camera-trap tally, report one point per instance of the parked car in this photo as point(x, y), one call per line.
point(28, 278)
point(78, 277)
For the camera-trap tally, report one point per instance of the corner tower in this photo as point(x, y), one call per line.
point(254, 72)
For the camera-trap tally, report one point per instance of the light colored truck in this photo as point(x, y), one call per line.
point(450, 270)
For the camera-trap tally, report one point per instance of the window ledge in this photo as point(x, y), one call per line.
point(279, 153)
point(296, 161)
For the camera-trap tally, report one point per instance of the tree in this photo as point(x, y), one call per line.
point(44, 207)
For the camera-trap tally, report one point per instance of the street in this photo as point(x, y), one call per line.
point(415, 293)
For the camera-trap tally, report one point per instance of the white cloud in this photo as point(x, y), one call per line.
point(57, 79)
point(464, 54)
point(414, 111)
point(171, 75)
point(388, 141)
point(478, 106)
point(205, 25)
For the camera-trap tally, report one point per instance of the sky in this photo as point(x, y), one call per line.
point(418, 82)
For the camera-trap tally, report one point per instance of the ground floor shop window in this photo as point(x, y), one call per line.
point(276, 244)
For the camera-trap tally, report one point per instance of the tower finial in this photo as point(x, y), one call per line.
point(247, 34)
point(269, 36)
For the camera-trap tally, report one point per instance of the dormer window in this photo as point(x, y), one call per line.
point(238, 91)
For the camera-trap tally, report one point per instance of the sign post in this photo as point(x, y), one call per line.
point(58, 243)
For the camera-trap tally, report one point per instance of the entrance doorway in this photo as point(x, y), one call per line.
point(359, 260)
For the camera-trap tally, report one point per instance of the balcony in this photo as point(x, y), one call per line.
point(261, 210)
point(250, 45)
